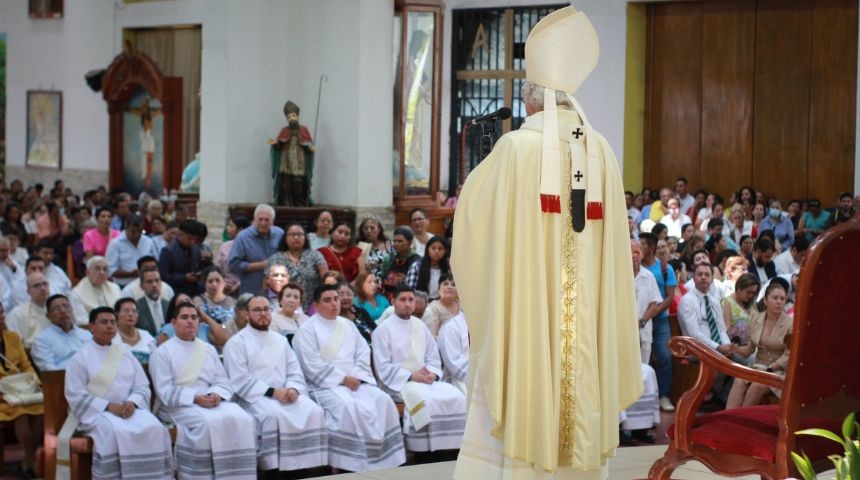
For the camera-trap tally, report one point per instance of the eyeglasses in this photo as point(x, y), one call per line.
point(259, 310)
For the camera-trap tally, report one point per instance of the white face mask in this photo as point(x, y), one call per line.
point(775, 212)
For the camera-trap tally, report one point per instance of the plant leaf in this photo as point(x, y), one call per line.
point(804, 466)
point(848, 426)
point(820, 432)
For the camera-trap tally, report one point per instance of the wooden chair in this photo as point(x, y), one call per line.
point(821, 387)
point(56, 409)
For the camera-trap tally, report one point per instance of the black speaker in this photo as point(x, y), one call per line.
point(94, 79)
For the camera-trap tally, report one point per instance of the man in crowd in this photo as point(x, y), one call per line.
point(109, 395)
point(269, 384)
point(788, 262)
point(253, 247)
point(648, 297)
point(406, 359)
point(179, 263)
point(761, 259)
point(134, 290)
point(362, 421)
point(213, 434)
point(453, 341)
point(686, 200)
point(275, 278)
point(124, 251)
point(30, 318)
point(94, 290)
point(54, 346)
point(120, 211)
point(660, 321)
point(9, 268)
point(844, 210)
point(58, 279)
point(151, 308)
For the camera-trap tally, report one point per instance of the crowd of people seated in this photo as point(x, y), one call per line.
point(727, 268)
point(81, 275)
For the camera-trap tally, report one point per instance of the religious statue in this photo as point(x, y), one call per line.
point(292, 155)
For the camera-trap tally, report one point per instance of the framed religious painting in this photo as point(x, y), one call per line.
point(42, 9)
point(44, 129)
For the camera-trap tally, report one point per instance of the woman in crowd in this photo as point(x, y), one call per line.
point(214, 303)
point(305, 265)
point(698, 204)
point(746, 195)
point(736, 265)
point(12, 220)
point(420, 236)
point(95, 241)
point(397, 266)
point(26, 419)
point(758, 213)
point(814, 221)
point(234, 226)
point(321, 237)
point(747, 243)
point(367, 295)
point(52, 223)
point(680, 269)
point(209, 330)
point(355, 314)
point(675, 218)
point(240, 319)
point(782, 227)
point(342, 255)
point(715, 245)
point(737, 307)
point(704, 213)
point(424, 274)
point(374, 244)
point(672, 242)
point(136, 340)
point(446, 307)
point(289, 318)
point(769, 333)
point(794, 212)
point(687, 232)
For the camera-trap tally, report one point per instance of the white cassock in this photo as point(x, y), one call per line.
point(435, 414)
point(453, 341)
point(134, 447)
point(210, 442)
point(290, 436)
point(645, 413)
point(363, 425)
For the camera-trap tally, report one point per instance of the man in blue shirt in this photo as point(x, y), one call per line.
point(56, 345)
point(666, 282)
point(124, 251)
point(253, 247)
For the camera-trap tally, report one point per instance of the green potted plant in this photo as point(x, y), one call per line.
point(847, 466)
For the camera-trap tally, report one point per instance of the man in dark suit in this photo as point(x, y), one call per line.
point(761, 260)
point(179, 262)
point(151, 308)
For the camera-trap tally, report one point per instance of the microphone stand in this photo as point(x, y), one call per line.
point(488, 131)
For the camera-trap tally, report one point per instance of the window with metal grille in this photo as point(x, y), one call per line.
point(488, 68)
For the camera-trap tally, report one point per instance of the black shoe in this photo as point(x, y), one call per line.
point(626, 440)
point(642, 435)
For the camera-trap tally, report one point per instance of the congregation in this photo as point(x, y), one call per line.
point(281, 352)
point(726, 270)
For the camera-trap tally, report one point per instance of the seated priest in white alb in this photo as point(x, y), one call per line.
point(94, 290)
point(54, 346)
point(31, 317)
point(453, 341)
point(109, 399)
point(362, 420)
point(407, 363)
point(267, 379)
point(215, 438)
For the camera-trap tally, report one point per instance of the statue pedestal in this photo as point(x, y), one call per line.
point(303, 215)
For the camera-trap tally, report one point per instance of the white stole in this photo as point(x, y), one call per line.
point(330, 350)
point(192, 369)
point(93, 297)
point(98, 386)
point(411, 392)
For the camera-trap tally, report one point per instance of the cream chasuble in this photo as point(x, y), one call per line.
point(553, 349)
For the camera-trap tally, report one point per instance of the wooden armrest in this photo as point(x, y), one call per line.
point(710, 363)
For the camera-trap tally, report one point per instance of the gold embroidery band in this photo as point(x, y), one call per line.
point(416, 408)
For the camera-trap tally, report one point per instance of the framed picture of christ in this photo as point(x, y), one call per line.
point(145, 110)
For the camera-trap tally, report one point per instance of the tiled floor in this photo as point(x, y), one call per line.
point(630, 463)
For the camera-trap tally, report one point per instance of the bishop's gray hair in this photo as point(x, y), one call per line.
point(533, 93)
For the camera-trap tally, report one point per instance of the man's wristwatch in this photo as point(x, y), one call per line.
point(270, 392)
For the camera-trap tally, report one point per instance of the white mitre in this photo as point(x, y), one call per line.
point(561, 51)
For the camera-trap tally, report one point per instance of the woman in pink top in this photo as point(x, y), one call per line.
point(96, 240)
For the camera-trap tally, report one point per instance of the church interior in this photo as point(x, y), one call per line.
point(381, 108)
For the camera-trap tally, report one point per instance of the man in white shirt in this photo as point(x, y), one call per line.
point(362, 420)
point(124, 251)
point(686, 200)
point(788, 262)
point(269, 384)
point(9, 268)
point(30, 317)
point(151, 307)
point(54, 346)
point(58, 279)
point(35, 264)
point(214, 436)
point(408, 366)
point(108, 393)
point(134, 290)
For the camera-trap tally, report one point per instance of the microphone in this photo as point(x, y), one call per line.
point(500, 114)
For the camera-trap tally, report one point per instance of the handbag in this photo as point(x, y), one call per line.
point(21, 388)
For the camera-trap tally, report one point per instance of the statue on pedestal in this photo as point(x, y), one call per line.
point(292, 156)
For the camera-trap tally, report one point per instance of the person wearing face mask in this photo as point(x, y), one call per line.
point(781, 225)
point(675, 218)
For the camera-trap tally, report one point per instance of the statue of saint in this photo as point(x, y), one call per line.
point(292, 156)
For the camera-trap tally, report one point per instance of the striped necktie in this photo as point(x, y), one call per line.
point(712, 323)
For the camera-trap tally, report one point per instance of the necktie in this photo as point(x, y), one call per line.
point(712, 323)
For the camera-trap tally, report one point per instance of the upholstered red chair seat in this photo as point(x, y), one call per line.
point(752, 431)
